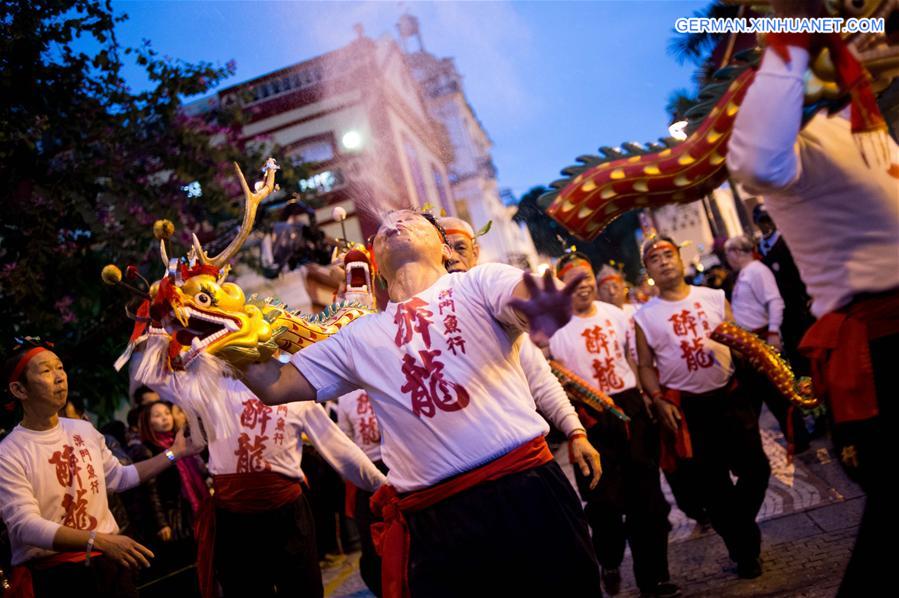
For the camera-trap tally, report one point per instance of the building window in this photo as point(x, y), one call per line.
point(441, 189)
point(415, 171)
point(312, 150)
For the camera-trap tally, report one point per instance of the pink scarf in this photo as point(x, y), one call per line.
point(193, 487)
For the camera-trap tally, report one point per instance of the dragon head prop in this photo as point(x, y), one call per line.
point(203, 314)
point(599, 189)
point(200, 311)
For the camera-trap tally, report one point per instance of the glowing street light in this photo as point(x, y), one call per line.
point(351, 140)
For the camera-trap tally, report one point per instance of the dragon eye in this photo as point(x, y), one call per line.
point(203, 299)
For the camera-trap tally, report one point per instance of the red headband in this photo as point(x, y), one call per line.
point(23, 362)
point(606, 279)
point(659, 245)
point(458, 231)
point(575, 263)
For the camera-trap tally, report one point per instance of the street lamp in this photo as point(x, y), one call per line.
point(351, 140)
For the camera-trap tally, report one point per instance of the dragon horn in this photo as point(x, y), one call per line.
point(252, 199)
point(164, 254)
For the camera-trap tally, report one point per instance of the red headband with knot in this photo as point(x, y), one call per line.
point(23, 363)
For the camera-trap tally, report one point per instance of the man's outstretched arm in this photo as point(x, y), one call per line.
point(276, 383)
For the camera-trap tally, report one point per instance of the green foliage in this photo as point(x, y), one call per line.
point(87, 165)
point(617, 242)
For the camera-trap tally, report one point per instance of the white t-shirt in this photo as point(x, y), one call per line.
point(356, 417)
point(549, 396)
point(838, 215)
point(630, 309)
point(678, 333)
point(756, 301)
point(440, 369)
point(57, 477)
point(595, 346)
point(246, 436)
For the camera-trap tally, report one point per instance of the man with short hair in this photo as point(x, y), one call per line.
point(756, 301)
point(627, 507)
point(54, 474)
point(758, 307)
point(144, 395)
point(690, 378)
point(474, 496)
point(612, 288)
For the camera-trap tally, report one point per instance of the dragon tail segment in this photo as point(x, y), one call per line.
point(766, 360)
point(602, 189)
point(580, 390)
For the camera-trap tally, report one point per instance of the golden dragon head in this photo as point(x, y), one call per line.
point(201, 313)
point(199, 310)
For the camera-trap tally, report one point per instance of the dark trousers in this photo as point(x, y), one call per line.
point(104, 578)
point(724, 430)
point(759, 389)
point(369, 562)
point(272, 553)
point(627, 506)
point(866, 453)
point(524, 534)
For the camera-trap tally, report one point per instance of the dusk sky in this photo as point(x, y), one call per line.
point(549, 80)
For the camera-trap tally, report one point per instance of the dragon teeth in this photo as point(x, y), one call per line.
point(231, 325)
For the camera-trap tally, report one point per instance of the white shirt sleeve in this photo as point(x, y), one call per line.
point(20, 509)
point(118, 477)
point(495, 284)
point(343, 419)
point(339, 451)
point(762, 152)
point(547, 391)
point(327, 365)
point(765, 286)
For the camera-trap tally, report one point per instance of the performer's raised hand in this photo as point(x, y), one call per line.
point(547, 309)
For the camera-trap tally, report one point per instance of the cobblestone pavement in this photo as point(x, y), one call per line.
point(809, 521)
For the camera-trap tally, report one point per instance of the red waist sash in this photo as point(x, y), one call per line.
point(243, 493)
point(837, 346)
point(391, 537)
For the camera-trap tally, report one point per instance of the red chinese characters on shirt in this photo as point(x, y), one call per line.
point(255, 412)
point(68, 472)
point(369, 433)
point(412, 316)
point(76, 514)
point(424, 380)
point(250, 455)
point(606, 377)
point(696, 328)
point(606, 346)
point(430, 390)
point(251, 444)
point(451, 331)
